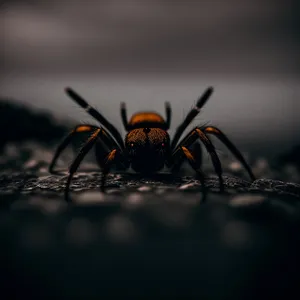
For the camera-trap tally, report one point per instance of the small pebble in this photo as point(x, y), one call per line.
point(133, 200)
point(235, 166)
point(144, 188)
point(89, 197)
point(245, 200)
point(187, 186)
point(30, 164)
point(49, 206)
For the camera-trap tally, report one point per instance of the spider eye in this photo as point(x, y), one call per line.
point(132, 144)
point(163, 144)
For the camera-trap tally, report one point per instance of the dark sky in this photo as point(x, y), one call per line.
point(149, 51)
point(233, 36)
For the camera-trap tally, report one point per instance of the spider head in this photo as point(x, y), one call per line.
point(147, 149)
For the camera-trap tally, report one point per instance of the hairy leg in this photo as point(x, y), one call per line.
point(223, 138)
point(123, 110)
point(198, 134)
point(168, 114)
point(107, 139)
point(75, 164)
point(195, 164)
point(97, 115)
point(184, 154)
point(190, 116)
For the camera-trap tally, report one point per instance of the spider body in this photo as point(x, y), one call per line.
point(147, 147)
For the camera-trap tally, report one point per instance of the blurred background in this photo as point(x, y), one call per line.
point(150, 51)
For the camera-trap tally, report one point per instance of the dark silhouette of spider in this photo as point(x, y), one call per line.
point(147, 147)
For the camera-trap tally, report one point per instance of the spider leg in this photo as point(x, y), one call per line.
point(94, 113)
point(124, 115)
point(223, 138)
point(195, 134)
point(178, 157)
point(75, 164)
point(197, 153)
point(110, 159)
point(190, 116)
point(168, 114)
point(79, 129)
point(195, 164)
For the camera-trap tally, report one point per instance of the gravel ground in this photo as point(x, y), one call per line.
point(146, 237)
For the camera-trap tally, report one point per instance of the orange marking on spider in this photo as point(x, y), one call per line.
point(94, 135)
point(188, 154)
point(146, 117)
point(111, 156)
point(212, 130)
point(83, 128)
point(201, 134)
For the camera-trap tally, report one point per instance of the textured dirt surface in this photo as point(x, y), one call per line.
point(161, 183)
point(146, 237)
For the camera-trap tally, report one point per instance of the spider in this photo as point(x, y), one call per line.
point(147, 147)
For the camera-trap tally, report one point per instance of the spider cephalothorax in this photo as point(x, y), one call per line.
point(147, 147)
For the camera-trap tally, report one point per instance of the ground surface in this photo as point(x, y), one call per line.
point(146, 236)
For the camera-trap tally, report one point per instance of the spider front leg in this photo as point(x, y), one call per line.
point(223, 138)
point(196, 134)
point(84, 150)
point(181, 154)
point(178, 157)
point(68, 139)
point(113, 157)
